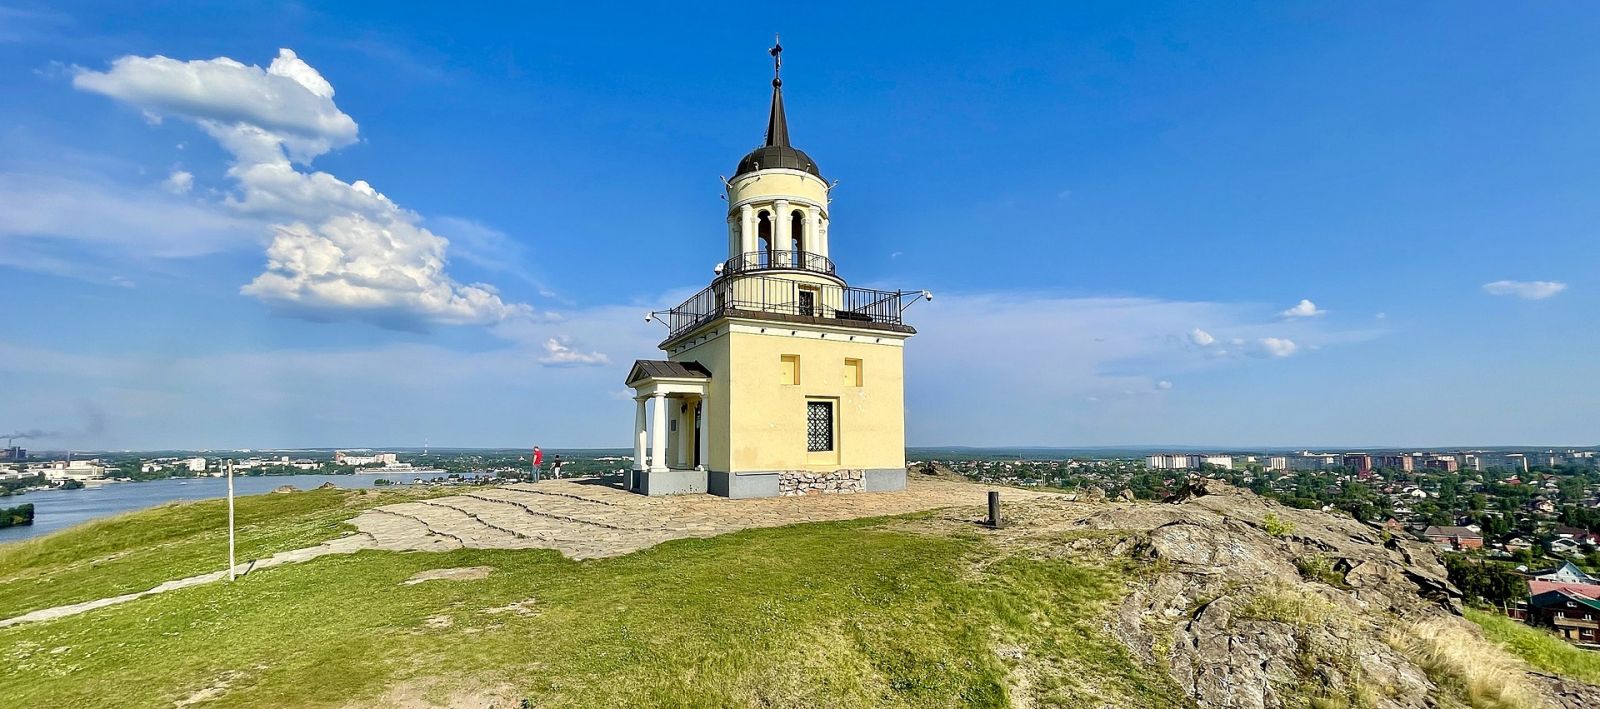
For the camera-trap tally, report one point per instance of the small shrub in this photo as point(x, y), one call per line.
point(1277, 526)
point(1320, 568)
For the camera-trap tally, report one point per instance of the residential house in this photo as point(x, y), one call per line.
point(1581, 536)
point(1565, 547)
point(1454, 537)
point(1567, 572)
point(1571, 612)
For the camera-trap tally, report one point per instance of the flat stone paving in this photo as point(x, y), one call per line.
point(587, 518)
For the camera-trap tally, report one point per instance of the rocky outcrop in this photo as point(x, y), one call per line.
point(1245, 603)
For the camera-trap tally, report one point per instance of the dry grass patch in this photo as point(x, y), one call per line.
point(1464, 664)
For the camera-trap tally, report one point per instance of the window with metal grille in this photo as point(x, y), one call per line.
point(808, 302)
point(819, 426)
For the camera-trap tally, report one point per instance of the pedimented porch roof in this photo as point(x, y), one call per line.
point(646, 369)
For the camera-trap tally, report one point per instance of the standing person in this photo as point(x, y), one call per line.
point(538, 462)
point(555, 467)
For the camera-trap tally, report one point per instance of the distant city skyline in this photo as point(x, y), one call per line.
point(1246, 227)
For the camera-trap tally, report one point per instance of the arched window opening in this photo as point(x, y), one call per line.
point(763, 240)
point(797, 229)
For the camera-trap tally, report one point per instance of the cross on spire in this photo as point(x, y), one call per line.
point(777, 60)
point(777, 123)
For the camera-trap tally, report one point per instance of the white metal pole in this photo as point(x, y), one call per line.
point(230, 519)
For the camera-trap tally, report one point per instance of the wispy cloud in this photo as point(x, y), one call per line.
point(1526, 290)
point(179, 182)
point(21, 25)
point(558, 352)
point(37, 207)
point(1277, 346)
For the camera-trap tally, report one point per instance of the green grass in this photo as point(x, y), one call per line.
point(845, 614)
point(1539, 648)
point(136, 551)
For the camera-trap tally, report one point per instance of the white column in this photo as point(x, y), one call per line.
point(813, 240)
point(822, 236)
point(705, 432)
point(641, 434)
point(747, 230)
point(658, 437)
point(780, 230)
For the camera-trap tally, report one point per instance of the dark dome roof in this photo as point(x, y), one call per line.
point(768, 157)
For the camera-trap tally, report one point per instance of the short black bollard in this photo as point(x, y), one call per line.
point(994, 509)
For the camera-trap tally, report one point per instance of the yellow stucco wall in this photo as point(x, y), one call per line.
point(759, 424)
point(765, 185)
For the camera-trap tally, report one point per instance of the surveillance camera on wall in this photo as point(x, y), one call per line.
point(717, 269)
point(649, 316)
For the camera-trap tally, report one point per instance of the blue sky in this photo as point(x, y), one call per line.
point(1120, 209)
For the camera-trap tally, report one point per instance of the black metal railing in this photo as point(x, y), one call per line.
point(759, 294)
point(778, 260)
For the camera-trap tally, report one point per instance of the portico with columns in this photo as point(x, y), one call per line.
point(671, 424)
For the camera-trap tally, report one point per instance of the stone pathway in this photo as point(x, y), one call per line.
point(586, 519)
point(581, 518)
point(342, 545)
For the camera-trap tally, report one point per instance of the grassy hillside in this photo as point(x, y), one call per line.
point(864, 613)
point(139, 550)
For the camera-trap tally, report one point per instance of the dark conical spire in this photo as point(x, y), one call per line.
point(777, 123)
point(777, 153)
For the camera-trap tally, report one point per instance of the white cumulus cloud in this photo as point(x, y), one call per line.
point(1277, 346)
point(1163, 385)
point(1303, 309)
point(558, 352)
point(1526, 290)
point(288, 98)
point(339, 250)
point(1201, 337)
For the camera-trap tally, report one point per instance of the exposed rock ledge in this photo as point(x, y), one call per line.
point(1253, 605)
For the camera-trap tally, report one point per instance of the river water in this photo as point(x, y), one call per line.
point(54, 510)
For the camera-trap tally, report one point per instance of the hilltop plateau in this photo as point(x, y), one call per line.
point(1217, 599)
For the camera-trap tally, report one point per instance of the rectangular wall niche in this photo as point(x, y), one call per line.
point(791, 370)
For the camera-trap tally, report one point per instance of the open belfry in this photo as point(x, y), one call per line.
point(780, 378)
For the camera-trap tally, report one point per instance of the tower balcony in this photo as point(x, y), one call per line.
point(752, 261)
point(787, 300)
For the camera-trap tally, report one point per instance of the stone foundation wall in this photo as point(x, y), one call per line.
point(839, 482)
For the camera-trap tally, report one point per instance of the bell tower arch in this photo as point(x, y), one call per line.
point(778, 200)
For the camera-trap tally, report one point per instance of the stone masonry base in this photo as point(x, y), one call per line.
point(839, 482)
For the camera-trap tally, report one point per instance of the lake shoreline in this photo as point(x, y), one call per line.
point(57, 509)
